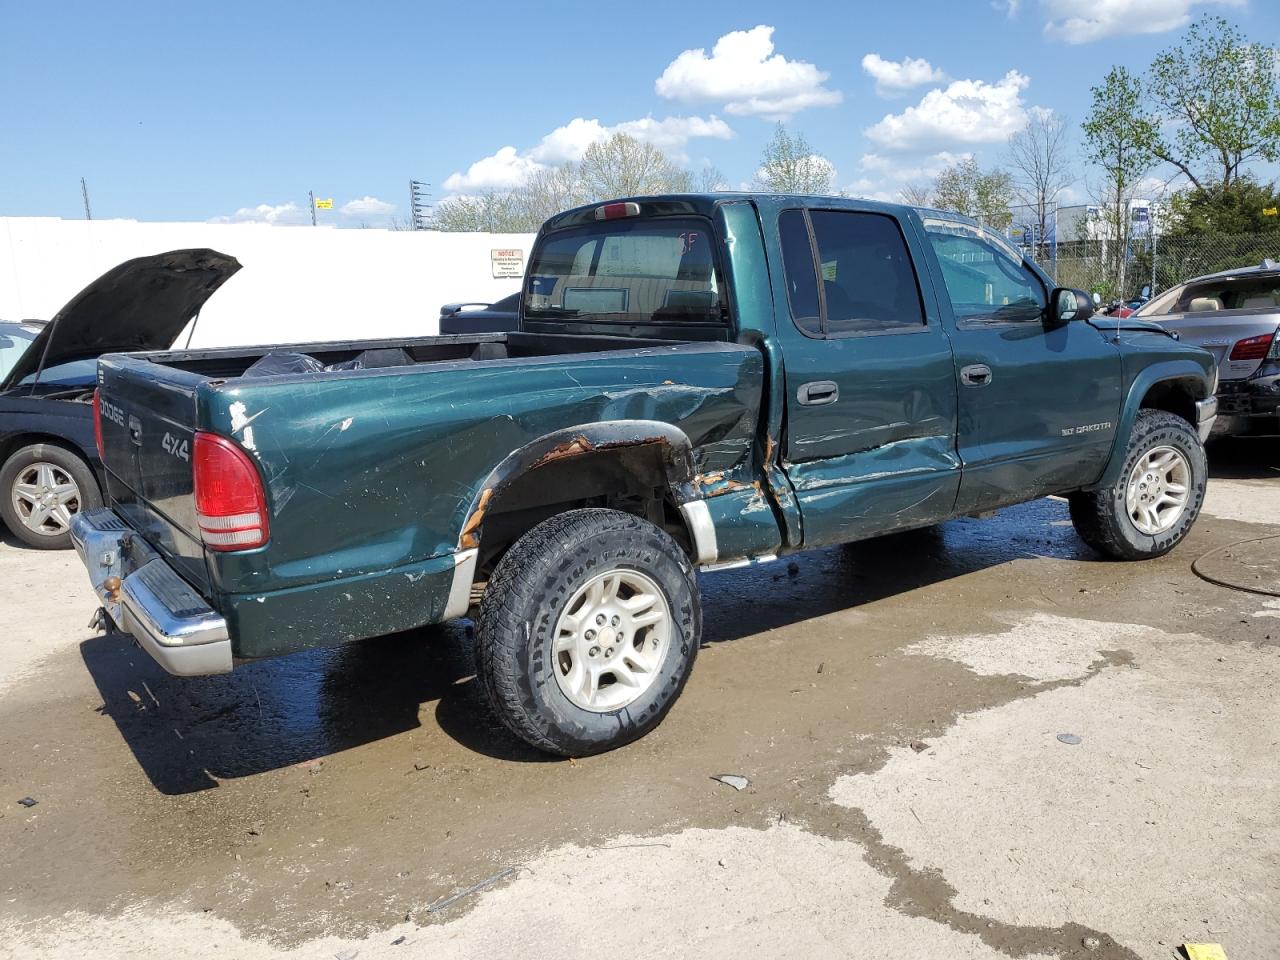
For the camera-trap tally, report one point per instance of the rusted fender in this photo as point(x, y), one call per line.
point(580, 440)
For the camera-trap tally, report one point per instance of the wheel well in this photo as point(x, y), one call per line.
point(16, 442)
point(632, 479)
point(1173, 396)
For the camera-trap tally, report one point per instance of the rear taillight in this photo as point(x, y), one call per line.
point(97, 423)
point(1274, 352)
point(231, 506)
point(1253, 348)
point(614, 211)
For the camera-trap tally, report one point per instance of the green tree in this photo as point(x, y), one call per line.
point(789, 165)
point(1236, 210)
point(1118, 135)
point(1216, 100)
point(967, 189)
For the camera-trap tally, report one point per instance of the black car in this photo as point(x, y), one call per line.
point(49, 465)
point(501, 316)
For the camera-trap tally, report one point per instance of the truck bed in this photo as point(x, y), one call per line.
point(372, 473)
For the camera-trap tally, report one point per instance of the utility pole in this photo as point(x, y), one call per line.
point(419, 209)
point(84, 192)
point(311, 198)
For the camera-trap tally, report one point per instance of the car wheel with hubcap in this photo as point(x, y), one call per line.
point(1157, 498)
point(587, 632)
point(45, 486)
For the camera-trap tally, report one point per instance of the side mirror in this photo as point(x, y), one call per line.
point(1066, 304)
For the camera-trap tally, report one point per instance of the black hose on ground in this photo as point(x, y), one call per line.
point(1195, 567)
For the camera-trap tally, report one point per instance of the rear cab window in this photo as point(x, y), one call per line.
point(849, 273)
point(656, 270)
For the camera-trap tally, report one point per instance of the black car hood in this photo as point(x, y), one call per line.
point(141, 304)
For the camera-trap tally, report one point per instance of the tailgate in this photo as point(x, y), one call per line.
point(148, 415)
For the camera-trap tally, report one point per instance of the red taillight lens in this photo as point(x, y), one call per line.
point(1254, 348)
point(231, 506)
point(97, 423)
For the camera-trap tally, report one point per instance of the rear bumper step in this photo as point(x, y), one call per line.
point(146, 599)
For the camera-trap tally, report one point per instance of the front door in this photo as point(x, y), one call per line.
point(870, 383)
point(1039, 400)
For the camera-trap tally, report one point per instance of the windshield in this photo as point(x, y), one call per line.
point(14, 340)
point(655, 270)
point(1258, 292)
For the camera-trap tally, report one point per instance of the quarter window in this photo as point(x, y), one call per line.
point(848, 273)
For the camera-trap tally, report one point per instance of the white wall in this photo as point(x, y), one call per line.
point(297, 283)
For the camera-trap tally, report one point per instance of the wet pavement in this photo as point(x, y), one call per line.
point(340, 793)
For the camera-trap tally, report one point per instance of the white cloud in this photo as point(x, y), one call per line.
point(886, 176)
point(745, 75)
point(504, 170)
point(1010, 7)
point(1082, 21)
point(894, 77)
point(510, 168)
point(274, 213)
point(368, 210)
point(965, 112)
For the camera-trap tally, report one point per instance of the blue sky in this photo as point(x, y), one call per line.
point(235, 110)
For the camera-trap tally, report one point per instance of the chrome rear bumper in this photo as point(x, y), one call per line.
point(145, 598)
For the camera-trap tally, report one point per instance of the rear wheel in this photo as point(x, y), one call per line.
point(587, 631)
point(1157, 497)
point(44, 486)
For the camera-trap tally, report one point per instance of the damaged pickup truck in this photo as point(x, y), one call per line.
point(697, 382)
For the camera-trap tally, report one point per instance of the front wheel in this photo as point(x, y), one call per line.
point(587, 631)
point(1155, 501)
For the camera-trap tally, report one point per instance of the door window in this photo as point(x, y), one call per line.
point(849, 273)
point(985, 278)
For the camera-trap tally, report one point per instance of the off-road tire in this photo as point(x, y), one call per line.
point(1100, 516)
point(80, 472)
point(523, 602)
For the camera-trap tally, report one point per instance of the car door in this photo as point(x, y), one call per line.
point(1038, 400)
point(870, 384)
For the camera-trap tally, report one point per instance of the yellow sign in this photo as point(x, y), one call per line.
point(1205, 951)
point(324, 204)
point(1270, 211)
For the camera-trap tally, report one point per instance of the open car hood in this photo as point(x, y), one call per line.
point(141, 304)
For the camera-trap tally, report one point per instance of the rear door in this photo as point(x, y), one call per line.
point(1039, 402)
point(870, 383)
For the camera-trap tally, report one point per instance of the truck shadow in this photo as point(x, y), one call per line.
point(189, 734)
point(1245, 458)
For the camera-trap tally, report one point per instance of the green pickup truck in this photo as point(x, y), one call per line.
point(697, 383)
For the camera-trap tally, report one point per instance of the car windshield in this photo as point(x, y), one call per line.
point(1256, 292)
point(653, 270)
point(14, 341)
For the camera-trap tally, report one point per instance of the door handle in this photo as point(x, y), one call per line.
point(818, 392)
point(975, 375)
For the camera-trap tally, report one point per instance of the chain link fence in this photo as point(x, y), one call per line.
point(1120, 271)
